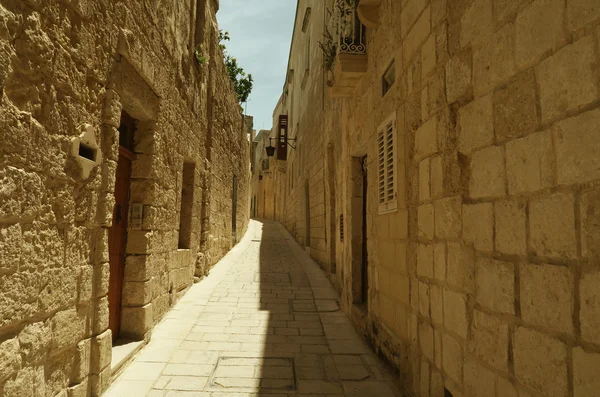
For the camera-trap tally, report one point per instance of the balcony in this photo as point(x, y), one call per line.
point(368, 12)
point(345, 49)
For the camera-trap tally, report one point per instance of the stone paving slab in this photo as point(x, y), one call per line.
point(265, 322)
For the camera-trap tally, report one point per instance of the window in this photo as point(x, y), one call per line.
point(389, 77)
point(306, 20)
point(387, 166)
point(307, 66)
point(342, 228)
point(187, 200)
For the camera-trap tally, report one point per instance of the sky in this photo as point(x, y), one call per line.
point(261, 33)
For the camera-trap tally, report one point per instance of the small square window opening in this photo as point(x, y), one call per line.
point(389, 77)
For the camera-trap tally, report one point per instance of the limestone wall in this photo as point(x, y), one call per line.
point(70, 64)
point(485, 280)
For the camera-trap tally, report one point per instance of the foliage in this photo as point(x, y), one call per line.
point(328, 45)
point(199, 56)
point(242, 82)
point(329, 49)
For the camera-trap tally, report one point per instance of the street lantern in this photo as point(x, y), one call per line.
point(270, 150)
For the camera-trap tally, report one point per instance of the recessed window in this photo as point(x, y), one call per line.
point(389, 77)
point(342, 228)
point(306, 20)
point(187, 200)
point(387, 166)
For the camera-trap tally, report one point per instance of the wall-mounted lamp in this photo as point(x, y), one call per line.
point(262, 175)
point(271, 149)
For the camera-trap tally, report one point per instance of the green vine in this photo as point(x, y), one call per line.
point(242, 82)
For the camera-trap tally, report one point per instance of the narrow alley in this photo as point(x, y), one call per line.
point(265, 321)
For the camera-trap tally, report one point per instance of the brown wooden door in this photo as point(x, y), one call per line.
point(117, 240)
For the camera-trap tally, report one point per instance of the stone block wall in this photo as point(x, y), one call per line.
point(69, 66)
point(485, 280)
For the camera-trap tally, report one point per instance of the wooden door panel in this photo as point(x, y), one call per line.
point(117, 240)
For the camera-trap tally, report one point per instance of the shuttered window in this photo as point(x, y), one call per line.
point(387, 166)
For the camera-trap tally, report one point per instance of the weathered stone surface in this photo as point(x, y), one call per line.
point(439, 258)
point(578, 148)
point(488, 173)
point(428, 56)
point(437, 176)
point(589, 314)
point(426, 141)
point(540, 362)
point(478, 225)
point(410, 14)
point(510, 227)
point(425, 260)
point(585, 372)
point(426, 222)
point(494, 61)
point(28, 382)
point(477, 124)
point(424, 181)
point(34, 341)
point(10, 358)
point(540, 26)
point(515, 110)
point(101, 346)
point(459, 72)
point(10, 248)
point(455, 313)
point(81, 362)
point(478, 380)
point(426, 340)
point(530, 163)
point(590, 224)
point(476, 22)
point(68, 328)
point(567, 79)
point(489, 340)
point(496, 285)
point(581, 12)
point(547, 296)
point(417, 35)
point(552, 226)
point(461, 267)
point(447, 217)
point(453, 358)
point(136, 321)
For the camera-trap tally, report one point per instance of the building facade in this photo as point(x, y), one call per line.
point(446, 173)
point(124, 174)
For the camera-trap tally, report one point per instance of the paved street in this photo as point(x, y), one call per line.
point(265, 322)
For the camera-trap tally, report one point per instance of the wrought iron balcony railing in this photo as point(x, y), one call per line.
point(348, 31)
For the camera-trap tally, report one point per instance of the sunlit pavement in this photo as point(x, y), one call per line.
point(265, 322)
